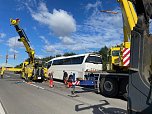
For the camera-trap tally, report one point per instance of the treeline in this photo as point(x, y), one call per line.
point(103, 51)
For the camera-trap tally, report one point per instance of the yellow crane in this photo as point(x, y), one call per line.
point(136, 19)
point(31, 70)
point(119, 56)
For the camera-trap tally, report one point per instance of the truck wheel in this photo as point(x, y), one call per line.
point(108, 87)
point(124, 87)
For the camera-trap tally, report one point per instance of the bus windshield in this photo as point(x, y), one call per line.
point(48, 64)
point(94, 59)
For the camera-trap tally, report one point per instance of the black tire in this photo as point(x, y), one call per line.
point(124, 87)
point(109, 87)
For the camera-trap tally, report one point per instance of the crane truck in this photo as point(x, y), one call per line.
point(140, 78)
point(136, 20)
point(114, 81)
point(31, 70)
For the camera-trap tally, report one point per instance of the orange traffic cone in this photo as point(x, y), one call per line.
point(51, 83)
point(51, 80)
point(69, 84)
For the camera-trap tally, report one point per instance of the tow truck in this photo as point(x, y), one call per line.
point(31, 70)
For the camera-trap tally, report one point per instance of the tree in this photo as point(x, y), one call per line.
point(58, 55)
point(103, 51)
point(69, 54)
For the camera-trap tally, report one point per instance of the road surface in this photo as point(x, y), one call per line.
point(19, 97)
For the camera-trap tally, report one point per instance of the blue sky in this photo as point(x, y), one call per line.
point(58, 26)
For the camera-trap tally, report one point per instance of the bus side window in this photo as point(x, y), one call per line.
point(58, 62)
point(77, 60)
point(67, 61)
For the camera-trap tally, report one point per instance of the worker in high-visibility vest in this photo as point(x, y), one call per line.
point(65, 77)
point(2, 72)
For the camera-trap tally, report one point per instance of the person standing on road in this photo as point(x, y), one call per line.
point(65, 77)
point(2, 72)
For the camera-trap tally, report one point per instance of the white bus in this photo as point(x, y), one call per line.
point(78, 64)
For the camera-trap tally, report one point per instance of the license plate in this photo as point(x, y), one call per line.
point(39, 77)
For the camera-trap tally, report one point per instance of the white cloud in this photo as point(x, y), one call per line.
point(13, 50)
point(59, 21)
point(93, 6)
point(67, 40)
point(45, 40)
point(98, 29)
point(51, 49)
point(23, 3)
point(11, 56)
point(2, 35)
point(14, 43)
point(39, 56)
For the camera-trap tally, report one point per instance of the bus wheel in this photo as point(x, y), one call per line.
point(124, 87)
point(108, 87)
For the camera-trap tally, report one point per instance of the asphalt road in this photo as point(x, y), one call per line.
point(18, 97)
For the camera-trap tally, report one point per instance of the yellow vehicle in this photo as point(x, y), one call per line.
point(140, 78)
point(12, 69)
point(116, 58)
point(122, 60)
point(31, 70)
point(113, 57)
point(115, 80)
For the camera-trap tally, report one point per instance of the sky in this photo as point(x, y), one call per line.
point(58, 26)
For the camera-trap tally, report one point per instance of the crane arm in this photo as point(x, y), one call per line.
point(23, 39)
point(129, 18)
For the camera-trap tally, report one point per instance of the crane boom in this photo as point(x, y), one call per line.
point(31, 70)
point(136, 17)
point(23, 39)
point(129, 18)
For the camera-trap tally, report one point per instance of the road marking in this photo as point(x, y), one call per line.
point(7, 76)
point(37, 86)
point(1, 109)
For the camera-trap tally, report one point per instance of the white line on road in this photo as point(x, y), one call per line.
point(7, 76)
point(1, 109)
point(37, 86)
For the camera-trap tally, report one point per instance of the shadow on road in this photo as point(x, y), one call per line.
point(100, 109)
point(90, 89)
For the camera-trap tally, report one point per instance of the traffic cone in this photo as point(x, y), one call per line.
point(51, 80)
point(69, 84)
point(51, 83)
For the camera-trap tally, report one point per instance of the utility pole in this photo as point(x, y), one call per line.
point(7, 57)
